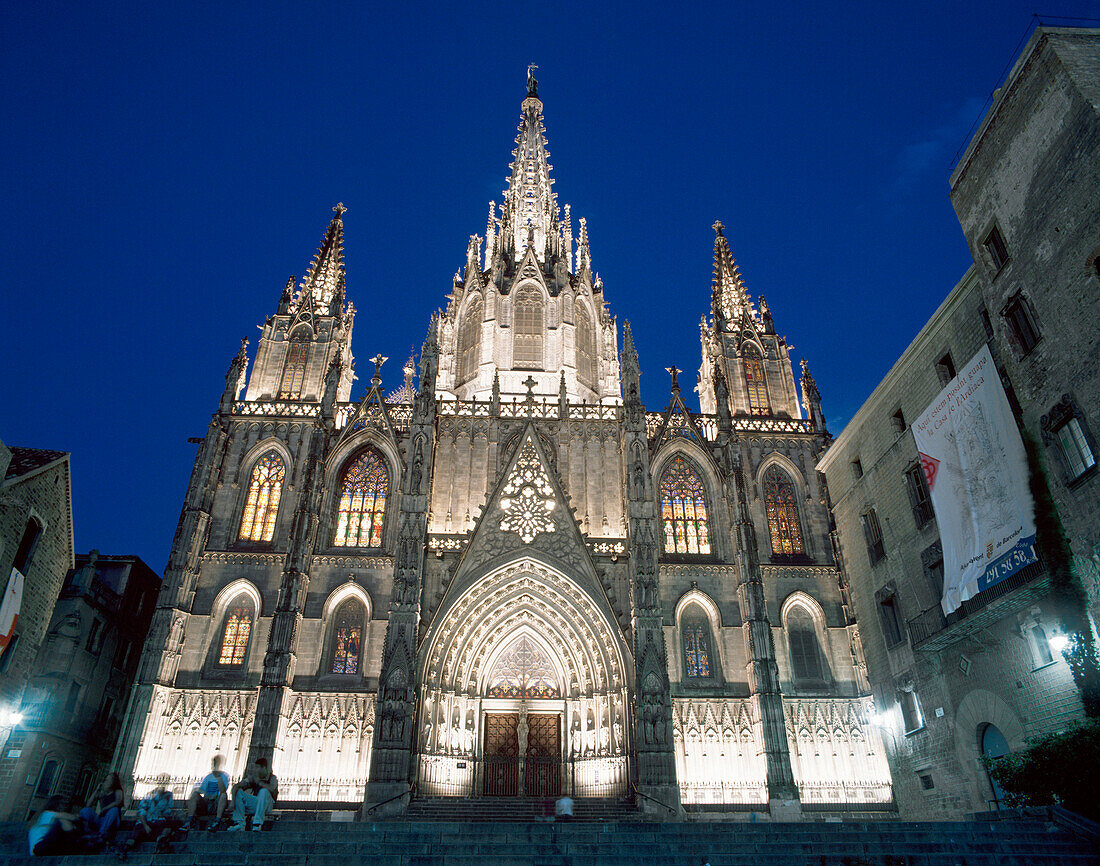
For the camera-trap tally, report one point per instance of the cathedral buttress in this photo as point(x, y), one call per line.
point(309, 327)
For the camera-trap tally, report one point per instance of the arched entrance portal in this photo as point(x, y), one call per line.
point(523, 691)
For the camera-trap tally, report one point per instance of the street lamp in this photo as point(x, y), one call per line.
point(1058, 642)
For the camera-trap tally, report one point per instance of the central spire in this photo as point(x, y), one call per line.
point(530, 210)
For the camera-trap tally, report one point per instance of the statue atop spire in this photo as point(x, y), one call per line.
point(532, 82)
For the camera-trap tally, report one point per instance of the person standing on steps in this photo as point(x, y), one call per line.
point(211, 795)
point(563, 808)
point(255, 795)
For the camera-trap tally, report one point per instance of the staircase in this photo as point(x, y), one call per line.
point(1026, 840)
point(517, 809)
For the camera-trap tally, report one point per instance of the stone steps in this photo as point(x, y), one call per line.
point(515, 809)
point(1025, 841)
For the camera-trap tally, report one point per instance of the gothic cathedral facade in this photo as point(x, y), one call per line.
point(510, 578)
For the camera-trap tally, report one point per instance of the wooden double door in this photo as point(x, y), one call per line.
point(536, 772)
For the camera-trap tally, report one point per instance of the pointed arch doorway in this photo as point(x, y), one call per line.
point(522, 753)
point(523, 691)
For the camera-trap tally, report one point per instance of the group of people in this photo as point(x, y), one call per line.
point(62, 828)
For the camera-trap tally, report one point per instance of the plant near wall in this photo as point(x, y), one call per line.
point(1065, 589)
point(1056, 768)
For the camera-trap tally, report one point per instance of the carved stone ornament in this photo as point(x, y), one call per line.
point(528, 498)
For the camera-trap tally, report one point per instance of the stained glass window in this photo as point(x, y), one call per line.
point(802, 637)
point(264, 489)
point(527, 329)
point(469, 341)
point(347, 638)
point(683, 509)
point(363, 491)
point(294, 370)
point(782, 510)
point(755, 380)
point(524, 670)
point(586, 346)
point(693, 628)
point(238, 625)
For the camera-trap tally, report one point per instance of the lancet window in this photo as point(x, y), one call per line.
point(265, 487)
point(695, 633)
point(586, 346)
point(527, 329)
point(683, 509)
point(363, 491)
point(235, 633)
point(294, 369)
point(755, 380)
point(347, 638)
point(469, 341)
point(782, 509)
point(802, 639)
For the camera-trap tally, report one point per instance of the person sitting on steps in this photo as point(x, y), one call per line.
point(55, 833)
point(104, 809)
point(255, 795)
point(211, 795)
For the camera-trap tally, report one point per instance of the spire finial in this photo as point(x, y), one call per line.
point(674, 371)
point(532, 82)
point(718, 227)
point(378, 361)
point(340, 210)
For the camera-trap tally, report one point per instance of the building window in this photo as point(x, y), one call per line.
point(72, 698)
point(755, 380)
point(1064, 431)
point(347, 637)
point(996, 249)
point(898, 420)
point(873, 535)
point(695, 634)
point(805, 650)
point(294, 369)
point(586, 346)
point(469, 342)
point(46, 778)
point(932, 561)
point(93, 643)
point(782, 510)
point(527, 329)
point(1040, 645)
point(363, 492)
point(926, 782)
point(910, 712)
point(945, 366)
point(265, 486)
point(890, 615)
point(919, 497)
point(238, 627)
point(683, 509)
point(857, 468)
point(1021, 324)
point(32, 532)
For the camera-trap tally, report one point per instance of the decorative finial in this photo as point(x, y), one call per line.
point(530, 383)
point(532, 83)
point(674, 371)
point(718, 227)
point(340, 210)
point(378, 361)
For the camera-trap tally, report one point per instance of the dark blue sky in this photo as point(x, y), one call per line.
point(168, 165)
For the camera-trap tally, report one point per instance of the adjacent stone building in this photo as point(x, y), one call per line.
point(78, 690)
point(986, 677)
point(36, 549)
point(511, 579)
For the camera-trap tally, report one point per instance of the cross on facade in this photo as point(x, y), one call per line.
point(530, 383)
point(674, 371)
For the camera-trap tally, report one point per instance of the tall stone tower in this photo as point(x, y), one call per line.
point(511, 579)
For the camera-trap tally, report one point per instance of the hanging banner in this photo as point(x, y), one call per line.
point(974, 461)
point(9, 608)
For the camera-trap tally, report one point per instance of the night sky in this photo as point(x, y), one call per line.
point(168, 165)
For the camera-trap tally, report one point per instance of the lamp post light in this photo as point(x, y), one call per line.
point(1058, 642)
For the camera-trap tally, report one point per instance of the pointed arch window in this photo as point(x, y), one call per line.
point(695, 633)
point(527, 329)
point(363, 491)
point(524, 670)
point(235, 634)
point(347, 637)
point(294, 369)
point(755, 380)
point(265, 487)
point(683, 509)
point(469, 342)
point(805, 650)
point(586, 346)
point(782, 509)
